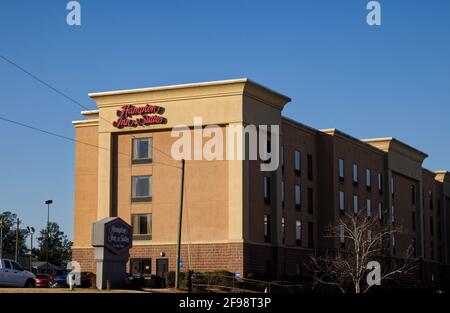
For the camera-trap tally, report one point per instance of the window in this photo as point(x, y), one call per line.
point(380, 212)
point(392, 185)
point(413, 194)
point(298, 232)
point(368, 179)
point(430, 194)
point(355, 173)
point(310, 235)
point(298, 197)
point(393, 215)
point(310, 167)
point(431, 226)
point(298, 162)
point(142, 150)
point(283, 229)
point(414, 248)
point(341, 170)
point(267, 228)
point(355, 204)
point(432, 250)
point(342, 234)
point(342, 201)
point(141, 189)
point(393, 243)
point(380, 183)
point(282, 193)
point(266, 158)
point(439, 208)
point(16, 266)
point(369, 235)
point(413, 220)
point(142, 226)
point(7, 264)
point(141, 267)
point(282, 157)
point(266, 189)
point(369, 207)
point(310, 201)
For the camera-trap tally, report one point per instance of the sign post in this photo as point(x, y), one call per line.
point(112, 240)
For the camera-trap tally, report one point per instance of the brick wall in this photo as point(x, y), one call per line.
point(203, 257)
point(84, 256)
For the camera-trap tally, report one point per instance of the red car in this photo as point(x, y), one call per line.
point(43, 280)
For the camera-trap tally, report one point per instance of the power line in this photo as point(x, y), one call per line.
point(69, 138)
point(35, 77)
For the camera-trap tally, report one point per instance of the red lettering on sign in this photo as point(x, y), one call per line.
point(149, 116)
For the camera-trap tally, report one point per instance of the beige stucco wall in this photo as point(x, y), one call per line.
point(86, 182)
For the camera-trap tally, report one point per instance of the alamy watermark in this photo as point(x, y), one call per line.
point(237, 142)
point(73, 18)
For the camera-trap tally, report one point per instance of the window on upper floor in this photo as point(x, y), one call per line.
point(355, 204)
point(430, 195)
point(298, 197)
point(380, 212)
point(368, 179)
point(355, 174)
point(341, 170)
point(141, 189)
point(310, 201)
point(380, 183)
point(142, 150)
point(413, 194)
point(267, 235)
point(266, 190)
point(310, 167)
point(342, 202)
point(297, 162)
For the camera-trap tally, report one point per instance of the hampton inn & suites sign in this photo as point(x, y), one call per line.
point(135, 116)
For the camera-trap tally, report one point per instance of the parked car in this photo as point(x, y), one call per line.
point(12, 274)
point(43, 280)
point(59, 281)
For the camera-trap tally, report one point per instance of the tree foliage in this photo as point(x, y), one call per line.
point(59, 246)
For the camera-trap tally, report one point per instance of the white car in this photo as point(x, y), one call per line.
point(13, 274)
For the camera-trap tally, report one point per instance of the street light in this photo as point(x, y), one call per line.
point(31, 232)
point(48, 202)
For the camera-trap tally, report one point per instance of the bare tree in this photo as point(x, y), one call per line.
point(362, 239)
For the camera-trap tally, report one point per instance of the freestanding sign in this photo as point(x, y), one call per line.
point(112, 239)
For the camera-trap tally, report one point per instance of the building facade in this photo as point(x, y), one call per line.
point(237, 217)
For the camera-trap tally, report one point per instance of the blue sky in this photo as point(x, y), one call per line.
point(391, 80)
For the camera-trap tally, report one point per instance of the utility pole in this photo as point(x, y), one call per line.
point(17, 241)
point(1, 237)
point(180, 220)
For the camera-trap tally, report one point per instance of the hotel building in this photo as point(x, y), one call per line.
point(237, 217)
